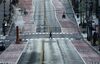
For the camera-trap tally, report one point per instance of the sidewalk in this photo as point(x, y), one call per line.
point(85, 37)
point(67, 25)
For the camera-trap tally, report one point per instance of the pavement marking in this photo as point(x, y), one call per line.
point(33, 33)
point(28, 33)
point(31, 39)
point(40, 33)
point(27, 39)
point(77, 51)
point(60, 33)
point(56, 14)
point(36, 33)
point(67, 38)
point(23, 39)
point(7, 40)
point(45, 39)
point(71, 39)
point(43, 33)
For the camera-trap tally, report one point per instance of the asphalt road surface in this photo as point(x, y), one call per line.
point(41, 49)
point(45, 17)
point(50, 51)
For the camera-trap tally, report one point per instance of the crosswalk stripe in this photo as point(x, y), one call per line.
point(36, 33)
point(28, 33)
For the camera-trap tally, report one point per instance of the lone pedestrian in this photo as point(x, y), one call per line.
point(50, 35)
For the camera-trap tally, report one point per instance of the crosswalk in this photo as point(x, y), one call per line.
point(56, 51)
point(29, 33)
point(54, 35)
point(30, 39)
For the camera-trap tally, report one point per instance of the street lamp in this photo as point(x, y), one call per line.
point(2, 47)
point(3, 24)
point(10, 9)
point(4, 8)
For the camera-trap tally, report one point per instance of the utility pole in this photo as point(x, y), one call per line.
point(10, 9)
point(4, 22)
point(4, 8)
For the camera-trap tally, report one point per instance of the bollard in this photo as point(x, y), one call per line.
point(17, 35)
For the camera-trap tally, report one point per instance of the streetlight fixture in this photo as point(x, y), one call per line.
point(44, 17)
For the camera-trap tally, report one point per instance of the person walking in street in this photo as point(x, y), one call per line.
point(50, 35)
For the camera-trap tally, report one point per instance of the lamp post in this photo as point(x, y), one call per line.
point(4, 9)
point(10, 9)
point(3, 24)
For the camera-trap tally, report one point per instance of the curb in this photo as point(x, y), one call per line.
point(98, 52)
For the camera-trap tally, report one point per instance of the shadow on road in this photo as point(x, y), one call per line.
point(29, 58)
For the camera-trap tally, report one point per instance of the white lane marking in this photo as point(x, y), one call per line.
point(31, 39)
point(36, 33)
point(56, 14)
point(77, 51)
point(22, 53)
